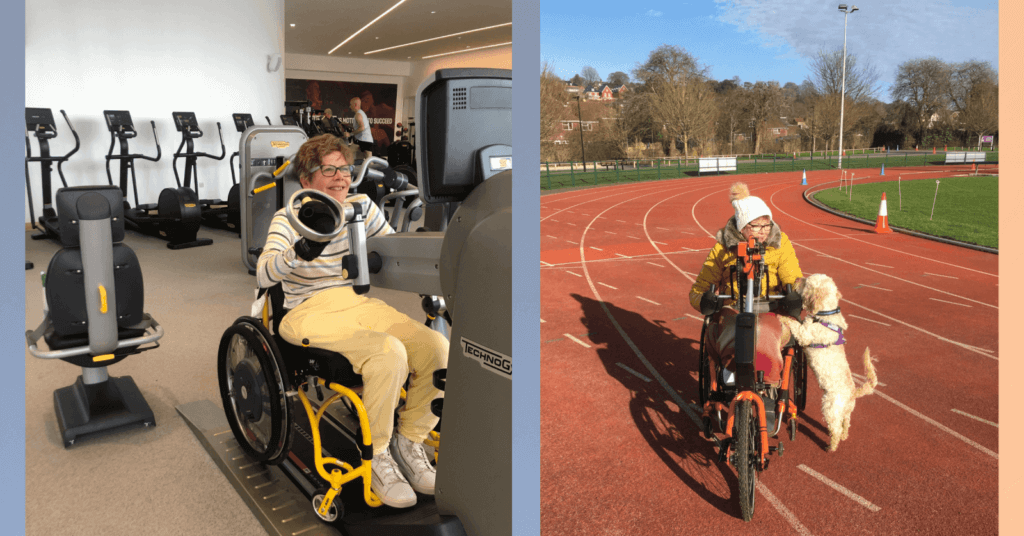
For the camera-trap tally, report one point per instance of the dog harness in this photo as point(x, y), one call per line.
point(833, 327)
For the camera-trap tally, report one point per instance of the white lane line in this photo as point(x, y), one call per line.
point(922, 330)
point(799, 527)
point(953, 303)
point(663, 229)
point(863, 502)
point(633, 237)
point(555, 237)
point(571, 242)
point(697, 318)
point(941, 275)
point(620, 221)
point(864, 379)
point(635, 373)
point(975, 418)
point(599, 249)
point(573, 273)
point(649, 301)
point(609, 232)
point(570, 223)
point(623, 256)
point(656, 242)
point(541, 320)
point(684, 232)
point(880, 265)
point(607, 285)
point(937, 424)
point(654, 264)
point(556, 221)
point(546, 264)
point(869, 320)
point(577, 341)
point(874, 287)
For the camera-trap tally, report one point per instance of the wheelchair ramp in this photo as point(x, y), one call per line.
point(275, 501)
point(279, 495)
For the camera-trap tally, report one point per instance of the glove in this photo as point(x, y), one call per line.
point(709, 302)
point(793, 303)
point(308, 250)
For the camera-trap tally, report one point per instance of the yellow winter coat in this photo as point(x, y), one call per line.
point(783, 267)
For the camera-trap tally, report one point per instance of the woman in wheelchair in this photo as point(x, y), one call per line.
point(752, 218)
point(382, 344)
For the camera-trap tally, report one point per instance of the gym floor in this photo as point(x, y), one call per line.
point(158, 480)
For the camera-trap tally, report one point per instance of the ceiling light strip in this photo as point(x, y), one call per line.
point(467, 50)
point(400, 2)
point(442, 37)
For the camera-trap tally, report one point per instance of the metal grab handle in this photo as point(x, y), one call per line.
point(147, 323)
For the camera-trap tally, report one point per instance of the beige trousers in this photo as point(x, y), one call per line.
point(384, 346)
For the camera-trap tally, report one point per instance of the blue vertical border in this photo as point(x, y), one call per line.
point(12, 239)
point(526, 268)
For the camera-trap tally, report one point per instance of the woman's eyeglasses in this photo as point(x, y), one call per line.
point(330, 171)
point(759, 228)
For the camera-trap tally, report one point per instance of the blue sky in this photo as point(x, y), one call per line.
point(765, 39)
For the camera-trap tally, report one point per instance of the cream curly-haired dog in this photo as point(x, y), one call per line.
point(821, 336)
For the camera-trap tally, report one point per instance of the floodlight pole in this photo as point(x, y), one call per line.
point(842, 102)
point(583, 151)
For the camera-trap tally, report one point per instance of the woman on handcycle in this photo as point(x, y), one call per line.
point(752, 219)
point(383, 345)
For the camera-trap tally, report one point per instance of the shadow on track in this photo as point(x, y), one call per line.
point(671, 434)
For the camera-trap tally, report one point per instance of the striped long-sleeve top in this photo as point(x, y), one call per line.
point(300, 279)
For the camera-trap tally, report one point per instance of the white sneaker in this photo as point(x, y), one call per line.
point(388, 483)
point(412, 460)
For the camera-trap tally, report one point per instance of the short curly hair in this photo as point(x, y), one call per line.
point(312, 153)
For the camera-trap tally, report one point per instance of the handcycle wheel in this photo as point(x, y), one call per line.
point(703, 374)
point(253, 390)
point(745, 432)
point(799, 380)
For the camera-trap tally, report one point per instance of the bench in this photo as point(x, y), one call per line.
point(965, 158)
point(716, 165)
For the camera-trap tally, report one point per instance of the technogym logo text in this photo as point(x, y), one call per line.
point(491, 360)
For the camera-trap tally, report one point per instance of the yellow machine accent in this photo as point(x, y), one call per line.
point(103, 300)
point(104, 357)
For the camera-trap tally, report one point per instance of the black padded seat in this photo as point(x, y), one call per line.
point(329, 365)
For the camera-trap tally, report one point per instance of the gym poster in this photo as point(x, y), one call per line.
point(377, 100)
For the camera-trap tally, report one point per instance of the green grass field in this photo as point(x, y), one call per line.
point(966, 209)
point(611, 172)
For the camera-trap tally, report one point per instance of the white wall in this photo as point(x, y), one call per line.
point(150, 57)
point(493, 58)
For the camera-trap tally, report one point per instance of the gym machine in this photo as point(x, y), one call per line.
point(94, 284)
point(466, 164)
point(39, 121)
point(213, 212)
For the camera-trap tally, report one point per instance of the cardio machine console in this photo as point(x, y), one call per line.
point(242, 121)
point(40, 122)
point(119, 122)
point(186, 122)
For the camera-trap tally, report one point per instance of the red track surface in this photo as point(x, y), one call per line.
point(623, 454)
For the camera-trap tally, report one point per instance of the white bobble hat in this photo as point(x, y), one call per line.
point(748, 207)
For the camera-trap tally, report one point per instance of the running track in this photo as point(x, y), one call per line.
point(621, 451)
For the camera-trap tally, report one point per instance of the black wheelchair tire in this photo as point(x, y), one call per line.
point(745, 433)
point(703, 374)
point(247, 335)
point(799, 380)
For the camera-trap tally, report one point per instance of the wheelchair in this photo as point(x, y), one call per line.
point(258, 372)
point(741, 403)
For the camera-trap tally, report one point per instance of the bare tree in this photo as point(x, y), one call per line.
point(552, 104)
point(732, 113)
point(680, 96)
point(923, 84)
point(618, 79)
point(590, 75)
point(973, 93)
point(763, 102)
point(826, 79)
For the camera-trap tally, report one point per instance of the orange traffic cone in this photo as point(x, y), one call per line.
point(882, 225)
point(933, 150)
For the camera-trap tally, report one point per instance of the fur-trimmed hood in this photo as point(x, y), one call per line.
point(729, 236)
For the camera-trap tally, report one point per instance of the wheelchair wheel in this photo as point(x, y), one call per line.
point(799, 380)
point(745, 432)
point(252, 387)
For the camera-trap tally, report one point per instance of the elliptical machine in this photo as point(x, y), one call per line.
point(175, 216)
point(39, 121)
point(213, 212)
point(121, 128)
